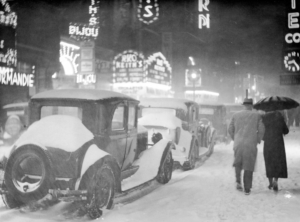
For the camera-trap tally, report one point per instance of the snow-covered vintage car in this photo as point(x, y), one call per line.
point(82, 144)
point(177, 120)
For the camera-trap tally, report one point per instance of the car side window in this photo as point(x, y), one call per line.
point(61, 110)
point(131, 117)
point(118, 119)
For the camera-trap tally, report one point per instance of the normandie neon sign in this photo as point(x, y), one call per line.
point(9, 77)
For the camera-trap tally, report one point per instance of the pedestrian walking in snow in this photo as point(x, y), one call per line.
point(246, 130)
point(274, 149)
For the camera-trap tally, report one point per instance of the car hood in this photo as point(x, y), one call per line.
point(57, 131)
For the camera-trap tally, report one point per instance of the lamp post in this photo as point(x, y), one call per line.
point(194, 77)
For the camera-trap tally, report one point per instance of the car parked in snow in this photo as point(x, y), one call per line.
point(82, 144)
point(177, 120)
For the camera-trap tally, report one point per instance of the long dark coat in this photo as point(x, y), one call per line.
point(246, 130)
point(274, 150)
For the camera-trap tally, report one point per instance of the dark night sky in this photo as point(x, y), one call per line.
point(250, 32)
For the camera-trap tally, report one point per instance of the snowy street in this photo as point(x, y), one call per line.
point(206, 193)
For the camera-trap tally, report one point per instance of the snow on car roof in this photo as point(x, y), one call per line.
point(15, 105)
point(88, 94)
point(173, 103)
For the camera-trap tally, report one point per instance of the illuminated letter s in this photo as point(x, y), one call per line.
point(148, 10)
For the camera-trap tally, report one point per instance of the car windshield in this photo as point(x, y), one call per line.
point(147, 111)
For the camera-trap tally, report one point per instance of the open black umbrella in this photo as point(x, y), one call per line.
point(273, 103)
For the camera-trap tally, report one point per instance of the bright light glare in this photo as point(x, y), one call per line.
point(67, 65)
point(202, 92)
point(194, 75)
point(192, 60)
point(143, 84)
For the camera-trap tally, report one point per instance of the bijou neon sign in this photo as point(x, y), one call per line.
point(81, 31)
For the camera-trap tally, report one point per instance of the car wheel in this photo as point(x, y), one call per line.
point(165, 170)
point(28, 174)
point(101, 191)
point(194, 155)
point(9, 200)
point(211, 147)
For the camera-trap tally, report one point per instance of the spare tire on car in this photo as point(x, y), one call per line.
point(28, 174)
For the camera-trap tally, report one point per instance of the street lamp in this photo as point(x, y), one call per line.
point(194, 76)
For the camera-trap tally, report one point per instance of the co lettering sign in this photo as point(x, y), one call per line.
point(292, 33)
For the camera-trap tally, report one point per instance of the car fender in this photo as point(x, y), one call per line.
point(23, 144)
point(149, 163)
point(95, 155)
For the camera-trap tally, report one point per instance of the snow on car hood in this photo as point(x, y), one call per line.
point(165, 120)
point(57, 131)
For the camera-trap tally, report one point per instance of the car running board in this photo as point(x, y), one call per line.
point(129, 172)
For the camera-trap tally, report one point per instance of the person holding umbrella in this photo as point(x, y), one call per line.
point(276, 127)
point(246, 130)
point(274, 149)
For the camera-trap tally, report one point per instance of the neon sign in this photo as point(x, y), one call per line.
point(9, 77)
point(69, 54)
point(203, 19)
point(8, 23)
point(9, 58)
point(82, 31)
point(7, 17)
point(158, 69)
point(293, 35)
point(86, 79)
point(128, 67)
point(148, 11)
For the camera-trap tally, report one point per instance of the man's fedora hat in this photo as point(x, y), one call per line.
point(248, 101)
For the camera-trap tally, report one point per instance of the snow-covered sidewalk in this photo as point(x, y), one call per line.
point(206, 193)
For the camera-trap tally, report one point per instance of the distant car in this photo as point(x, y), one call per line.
point(177, 120)
point(83, 144)
point(14, 109)
point(215, 114)
point(19, 109)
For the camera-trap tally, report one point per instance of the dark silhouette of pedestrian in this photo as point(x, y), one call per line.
point(274, 149)
point(246, 130)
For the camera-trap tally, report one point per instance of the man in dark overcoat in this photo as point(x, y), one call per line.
point(246, 130)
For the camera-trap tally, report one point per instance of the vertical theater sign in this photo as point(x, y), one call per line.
point(204, 16)
point(137, 77)
point(291, 45)
point(90, 30)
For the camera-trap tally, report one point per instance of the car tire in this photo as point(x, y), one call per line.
point(194, 155)
point(211, 146)
point(101, 190)
point(166, 168)
point(18, 172)
point(9, 200)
